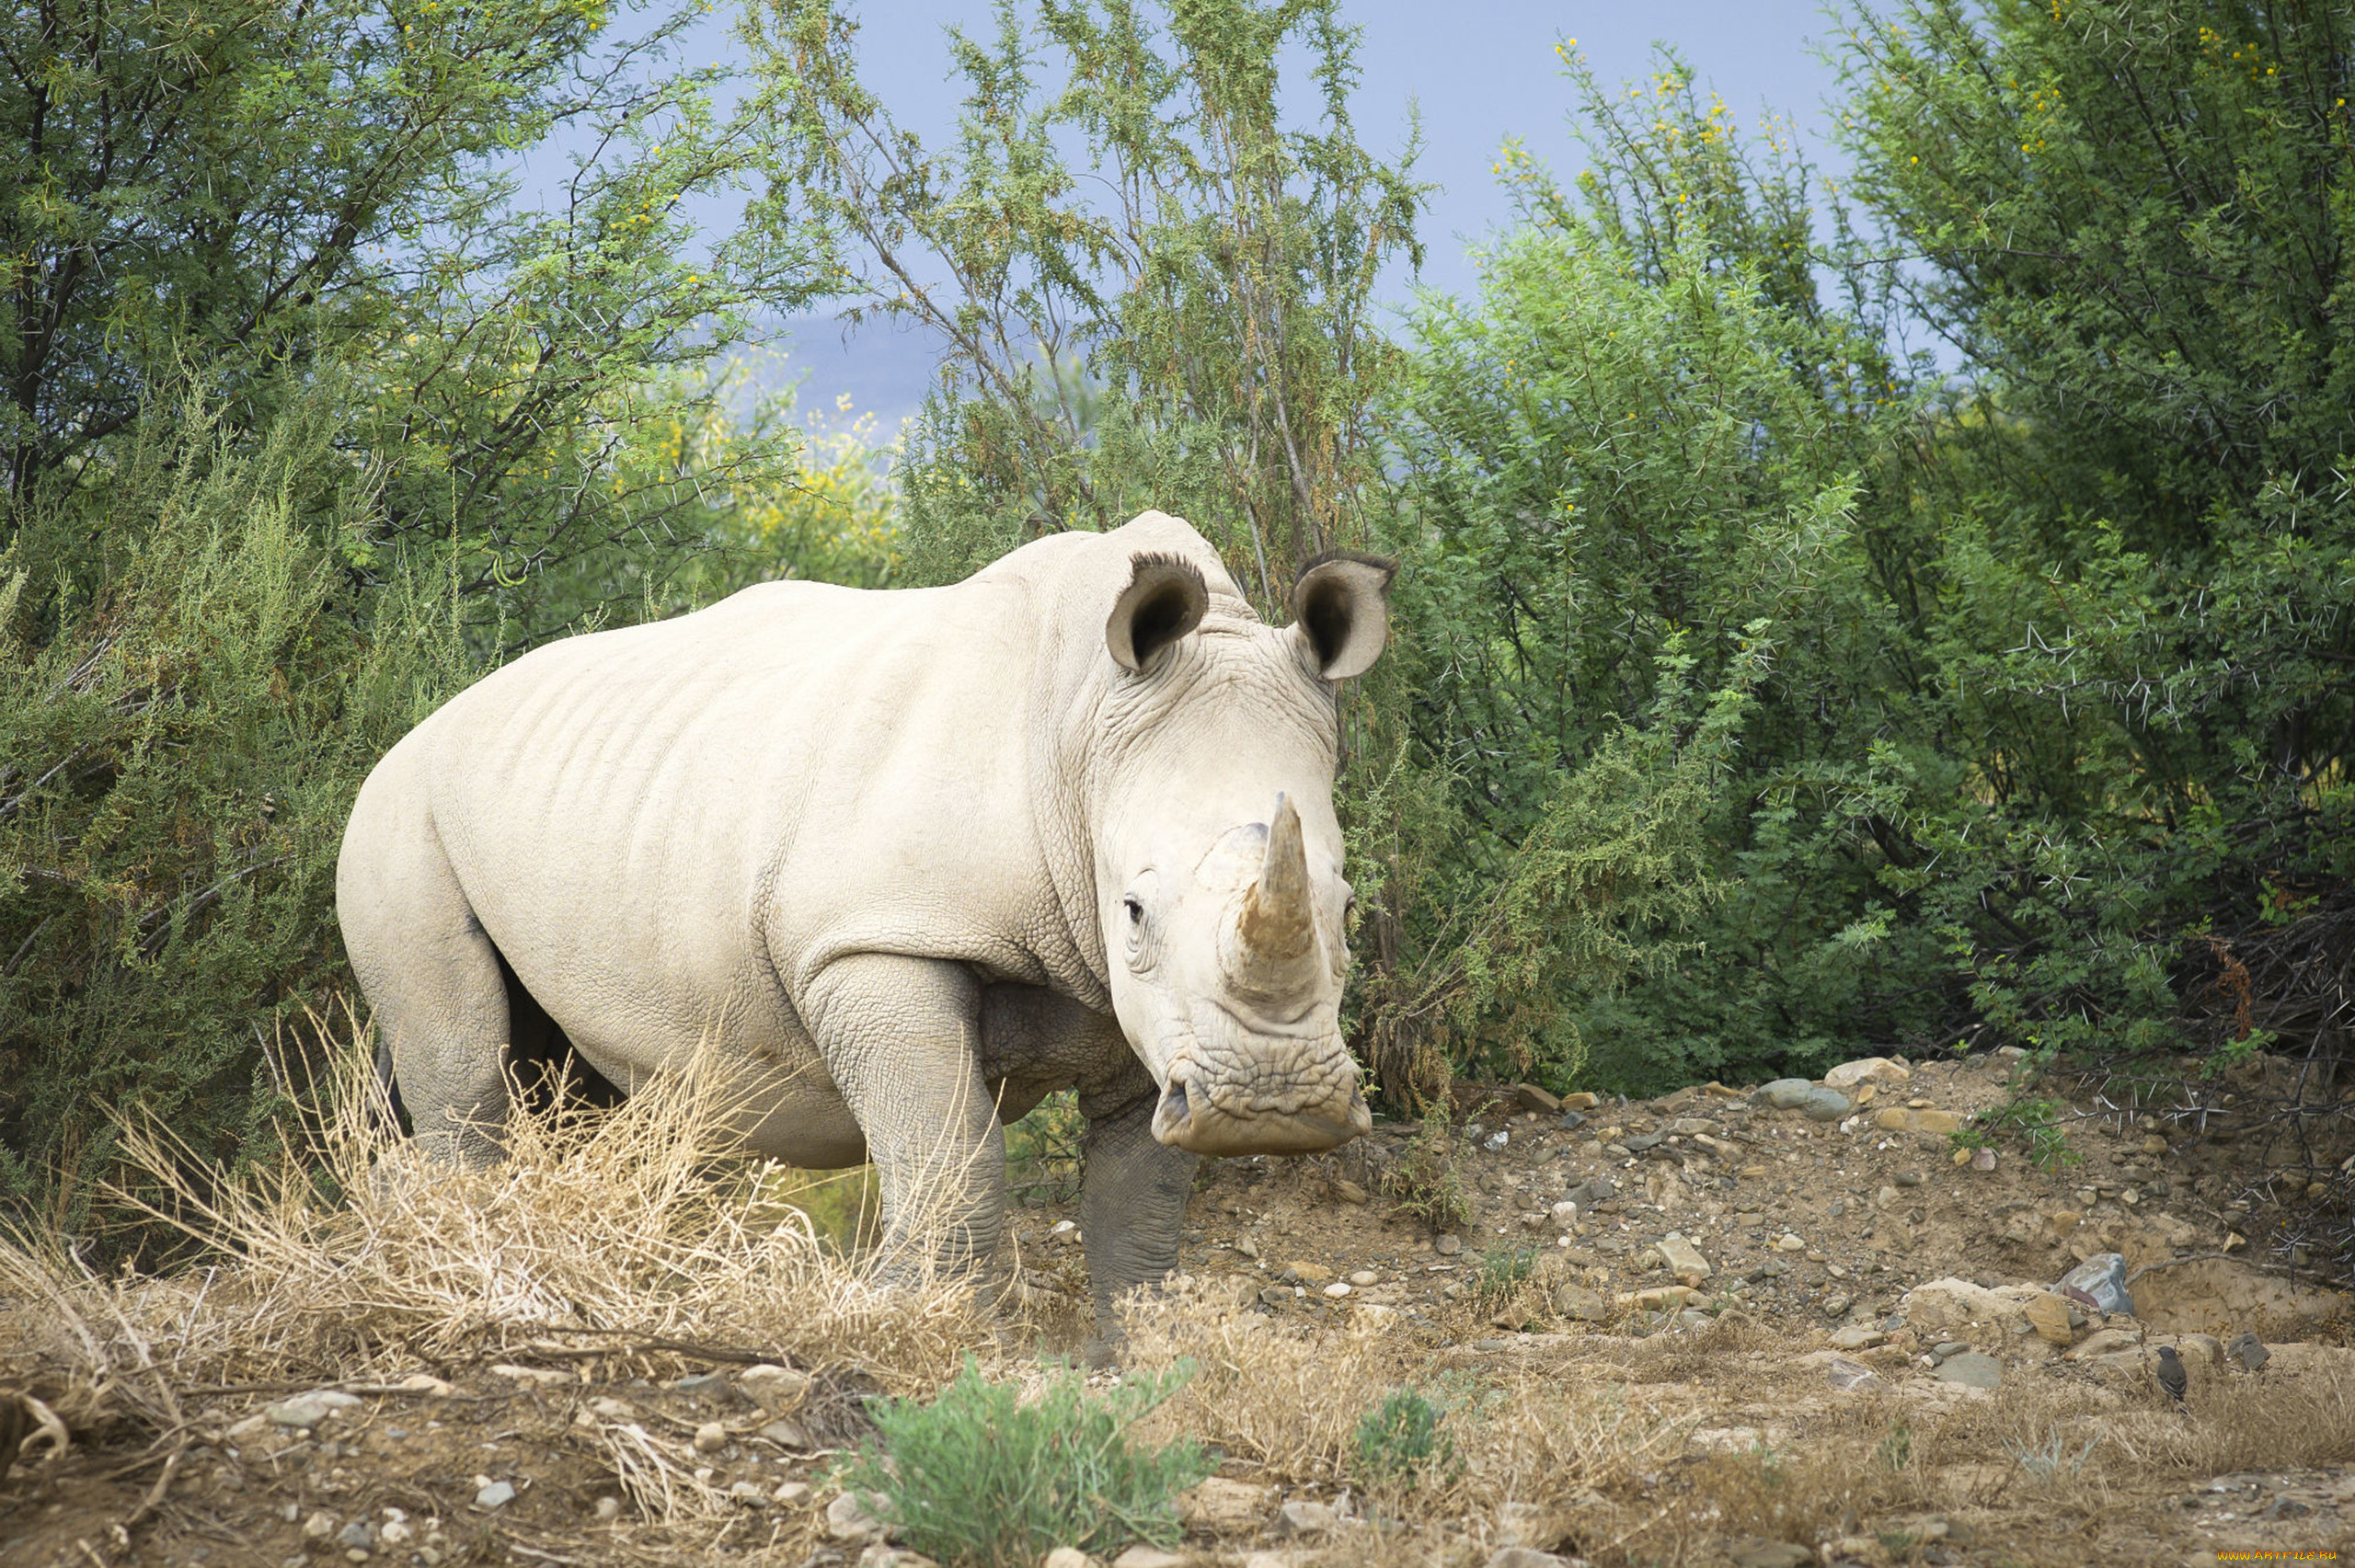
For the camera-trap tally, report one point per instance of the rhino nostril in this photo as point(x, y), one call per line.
point(1174, 1108)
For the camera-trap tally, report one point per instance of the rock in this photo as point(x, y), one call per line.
point(1496, 1140)
point(1337, 1289)
point(1692, 1127)
point(1971, 1369)
point(1572, 1120)
point(1867, 1070)
point(547, 1376)
point(1578, 1101)
point(359, 1535)
point(397, 1531)
point(1579, 1304)
point(1302, 1518)
point(1601, 1189)
point(1246, 1246)
point(773, 1387)
point(1530, 1097)
point(2049, 1315)
point(1958, 1309)
point(1068, 1557)
point(1856, 1336)
point(699, 1385)
point(318, 1526)
point(1349, 1190)
point(497, 1494)
point(1309, 1272)
point(1364, 1278)
point(1983, 1157)
point(791, 1493)
point(1683, 1259)
point(1789, 1242)
point(787, 1433)
point(1849, 1376)
point(1448, 1246)
point(1150, 1557)
point(1911, 1178)
point(1785, 1093)
point(1933, 1121)
point(710, 1437)
point(2247, 1351)
point(1824, 1106)
point(1525, 1557)
point(1893, 1119)
point(849, 1519)
point(2103, 1279)
point(1755, 1552)
point(2105, 1342)
point(310, 1408)
point(1946, 1347)
point(1275, 1296)
point(608, 1507)
point(1226, 1508)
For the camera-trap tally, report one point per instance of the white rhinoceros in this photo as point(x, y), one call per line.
point(912, 861)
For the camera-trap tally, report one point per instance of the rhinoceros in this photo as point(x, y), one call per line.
point(909, 861)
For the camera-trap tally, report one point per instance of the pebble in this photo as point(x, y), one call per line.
point(1788, 1242)
point(497, 1494)
point(1302, 1518)
point(1911, 1179)
point(359, 1535)
point(1683, 1259)
point(1496, 1140)
point(1349, 1191)
point(318, 1526)
point(1824, 1106)
point(1837, 1304)
point(1971, 1369)
point(1067, 1557)
point(1950, 1347)
point(2048, 1315)
point(792, 1493)
point(1579, 1304)
point(1565, 1214)
point(847, 1518)
point(710, 1437)
point(787, 1433)
point(1448, 1246)
point(1149, 1557)
point(1337, 1289)
point(1785, 1093)
point(1867, 1070)
point(1856, 1337)
point(773, 1387)
point(1758, 1553)
point(1364, 1278)
point(1849, 1376)
point(310, 1408)
point(1525, 1557)
point(609, 1508)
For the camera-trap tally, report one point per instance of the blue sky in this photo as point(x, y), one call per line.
point(1478, 71)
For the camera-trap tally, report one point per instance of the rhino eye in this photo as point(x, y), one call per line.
point(1135, 908)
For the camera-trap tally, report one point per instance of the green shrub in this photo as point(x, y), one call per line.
point(1501, 1271)
point(978, 1479)
point(1402, 1441)
point(1424, 1184)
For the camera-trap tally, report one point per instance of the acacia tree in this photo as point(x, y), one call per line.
point(1178, 316)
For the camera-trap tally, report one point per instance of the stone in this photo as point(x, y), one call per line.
point(787, 1433)
point(1824, 1106)
point(1849, 1376)
point(1836, 1305)
point(773, 1387)
point(1785, 1093)
point(1894, 1119)
point(2105, 1342)
point(1911, 1178)
point(1856, 1336)
point(1530, 1097)
point(1867, 1070)
point(1525, 1557)
point(1579, 1102)
point(2247, 1351)
point(849, 1519)
point(710, 1437)
point(1309, 1272)
point(2049, 1315)
point(1692, 1127)
point(318, 1526)
point(1363, 1277)
point(1337, 1289)
point(608, 1507)
point(1983, 1159)
point(1683, 1259)
point(547, 1376)
point(1971, 1369)
point(1349, 1191)
point(699, 1385)
point(310, 1408)
point(2103, 1279)
point(1579, 1304)
point(1448, 1246)
point(1789, 1242)
point(497, 1494)
point(1226, 1508)
point(359, 1535)
point(1246, 1246)
point(1302, 1518)
point(1958, 1310)
point(1755, 1552)
point(792, 1493)
point(1150, 1557)
point(1068, 1557)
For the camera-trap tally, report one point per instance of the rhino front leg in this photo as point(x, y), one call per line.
point(1131, 1205)
point(900, 1036)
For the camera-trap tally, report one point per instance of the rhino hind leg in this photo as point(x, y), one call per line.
point(1131, 1206)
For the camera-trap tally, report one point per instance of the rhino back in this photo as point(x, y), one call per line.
point(667, 828)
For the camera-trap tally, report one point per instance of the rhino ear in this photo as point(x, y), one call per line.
point(1341, 610)
point(1163, 601)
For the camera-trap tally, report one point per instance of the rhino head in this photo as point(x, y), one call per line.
point(1219, 858)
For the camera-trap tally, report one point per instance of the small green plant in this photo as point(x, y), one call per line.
point(1501, 1270)
point(978, 1479)
point(1402, 1441)
point(2034, 1122)
point(1896, 1450)
point(1424, 1184)
point(2052, 1458)
point(1042, 1152)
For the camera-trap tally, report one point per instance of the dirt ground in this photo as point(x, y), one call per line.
point(1797, 1315)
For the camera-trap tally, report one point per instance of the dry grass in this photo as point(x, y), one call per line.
point(607, 1233)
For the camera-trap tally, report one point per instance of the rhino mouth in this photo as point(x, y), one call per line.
point(1204, 1116)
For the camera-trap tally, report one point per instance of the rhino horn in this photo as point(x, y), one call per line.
point(1275, 932)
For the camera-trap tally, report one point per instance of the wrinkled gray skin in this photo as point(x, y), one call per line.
point(912, 861)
